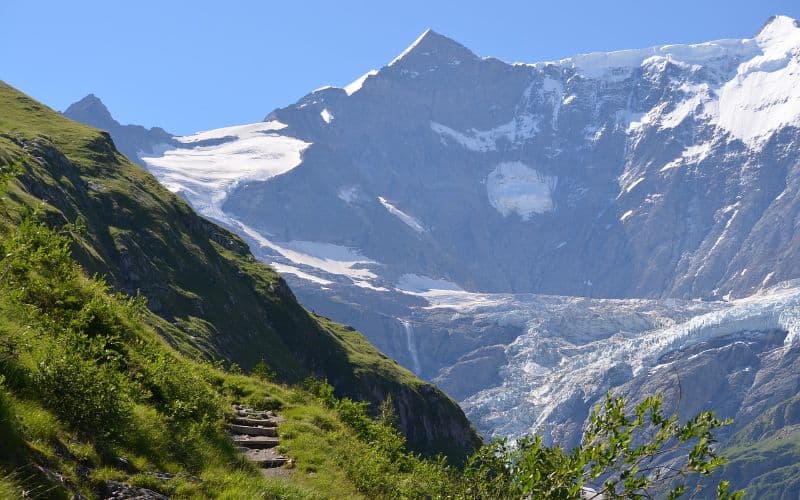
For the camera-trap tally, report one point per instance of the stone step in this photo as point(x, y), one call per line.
point(255, 442)
point(251, 430)
point(256, 422)
point(268, 459)
point(248, 413)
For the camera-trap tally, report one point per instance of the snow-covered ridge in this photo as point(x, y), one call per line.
point(603, 64)
point(410, 47)
point(781, 33)
point(758, 99)
point(356, 84)
point(755, 98)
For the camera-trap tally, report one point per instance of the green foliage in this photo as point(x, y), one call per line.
point(87, 357)
point(9, 425)
point(322, 390)
point(624, 449)
point(641, 454)
point(386, 413)
point(263, 371)
point(9, 171)
point(211, 298)
point(77, 370)
point(81, 370)
point(88, 396)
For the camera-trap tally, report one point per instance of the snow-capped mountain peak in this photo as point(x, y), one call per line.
point(426, 54)
point(429, 49)
point(780, 29)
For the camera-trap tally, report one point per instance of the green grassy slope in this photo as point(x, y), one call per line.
point(90, 393)
point(765, 454)
point(211, 298)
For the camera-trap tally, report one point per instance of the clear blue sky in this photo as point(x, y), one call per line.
point(197, 65)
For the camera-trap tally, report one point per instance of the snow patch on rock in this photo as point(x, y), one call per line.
point(516, 132)
point(414, 283)
point(348, 194)
point(406, 219)
point(515, 188)
point(287, 269)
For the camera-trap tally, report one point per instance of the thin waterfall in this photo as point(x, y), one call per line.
point(411, 345)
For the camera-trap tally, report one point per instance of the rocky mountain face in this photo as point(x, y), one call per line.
point(644, 173)
point(529, 236)
point(130, 140)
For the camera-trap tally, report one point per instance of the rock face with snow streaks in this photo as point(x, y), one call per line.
point(641, 173)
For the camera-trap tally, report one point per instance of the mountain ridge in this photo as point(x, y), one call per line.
point(132, 140)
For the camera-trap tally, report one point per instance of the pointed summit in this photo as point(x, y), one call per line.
point(91, 111)
point(779, 36)
point(431, 48)
point(778, 24)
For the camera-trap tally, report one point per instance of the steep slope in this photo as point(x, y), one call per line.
point(94, 404)
point(213, 298)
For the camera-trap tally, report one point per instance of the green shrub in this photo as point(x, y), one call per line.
point(322, 390)
point(88, 396)
point(263, 371)
point(179, 391)
point(618, 458)
point(9, 432)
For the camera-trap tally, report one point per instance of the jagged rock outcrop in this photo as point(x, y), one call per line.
point(130, 140)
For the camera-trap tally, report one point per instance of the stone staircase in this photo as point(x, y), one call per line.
point(255, 433)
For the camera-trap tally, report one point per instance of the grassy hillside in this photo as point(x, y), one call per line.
point(90, 394)
point(205, 293)
point(765, 454)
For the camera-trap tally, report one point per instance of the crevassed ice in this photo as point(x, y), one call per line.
point(571, 345)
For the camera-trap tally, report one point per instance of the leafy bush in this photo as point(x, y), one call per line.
point(90, 397)
point(9, 433)
point(322, 390)
point(263, 371)
point(638, 454)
